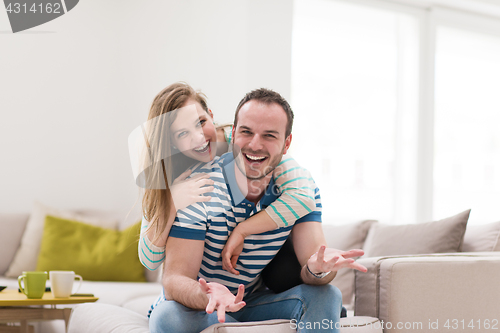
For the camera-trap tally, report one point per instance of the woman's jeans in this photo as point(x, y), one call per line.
point(309, 309)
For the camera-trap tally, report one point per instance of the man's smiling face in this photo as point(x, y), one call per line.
point(260, 138)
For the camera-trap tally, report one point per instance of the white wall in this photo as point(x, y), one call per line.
point(73, 89)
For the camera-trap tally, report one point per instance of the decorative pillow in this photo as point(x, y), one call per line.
point(346, 237)
point(479, 238)
point(433, 237)
point(27, 254)
point(97, 254)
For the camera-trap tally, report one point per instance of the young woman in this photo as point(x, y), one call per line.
point(180, 132)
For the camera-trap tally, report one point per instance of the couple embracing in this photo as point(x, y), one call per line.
point(216, 222)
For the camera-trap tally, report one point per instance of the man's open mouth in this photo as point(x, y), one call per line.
point(254, 158)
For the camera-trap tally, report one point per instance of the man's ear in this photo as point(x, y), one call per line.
point(288, 141)
point(211, 113)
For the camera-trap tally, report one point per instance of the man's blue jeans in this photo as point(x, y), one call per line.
point(309, 309)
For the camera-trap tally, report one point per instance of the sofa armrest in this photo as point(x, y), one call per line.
point(429, 289)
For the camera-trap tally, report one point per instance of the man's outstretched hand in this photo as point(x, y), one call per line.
point(327, 259)
point(221, 299)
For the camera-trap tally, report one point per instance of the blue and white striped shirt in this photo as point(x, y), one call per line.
point(214, 220)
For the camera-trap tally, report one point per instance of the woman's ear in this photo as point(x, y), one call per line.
point(211, 113)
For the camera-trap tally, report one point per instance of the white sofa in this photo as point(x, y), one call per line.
point(398, 288)
point(449, 292)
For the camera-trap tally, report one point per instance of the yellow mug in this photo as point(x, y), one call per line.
point(34, 284)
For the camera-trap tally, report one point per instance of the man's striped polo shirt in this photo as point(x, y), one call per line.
point(214, 220)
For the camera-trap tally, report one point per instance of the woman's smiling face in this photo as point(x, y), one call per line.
point(193, 132)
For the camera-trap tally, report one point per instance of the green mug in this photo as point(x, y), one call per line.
point(34, 284)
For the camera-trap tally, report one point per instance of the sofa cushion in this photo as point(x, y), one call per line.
point(15, 224)
point(86, 318)
point(479, 238)
point(346, 237)
point(95, 253)
point(27, 253)
point(433, 237)
point(141, 305)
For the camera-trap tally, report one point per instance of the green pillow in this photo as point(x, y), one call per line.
point(97, 254)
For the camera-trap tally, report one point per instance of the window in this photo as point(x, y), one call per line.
point(354, 91)
point(365, 110)
point(467, 124)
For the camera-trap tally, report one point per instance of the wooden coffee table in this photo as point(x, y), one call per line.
point(16, 307)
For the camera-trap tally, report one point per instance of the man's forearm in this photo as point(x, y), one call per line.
point(308, 278)
point(185, 291)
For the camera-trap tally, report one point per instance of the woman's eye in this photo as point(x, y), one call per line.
point(181, 134)
point(201, 122)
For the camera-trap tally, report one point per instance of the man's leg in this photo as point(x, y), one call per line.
point(310, 308)
point(173, 317)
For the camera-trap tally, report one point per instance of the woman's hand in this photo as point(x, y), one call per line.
point(221, 299)
point(231, 252)
point(186, 192)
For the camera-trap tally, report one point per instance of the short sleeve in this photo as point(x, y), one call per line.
point(315, 215)
point(190, 222)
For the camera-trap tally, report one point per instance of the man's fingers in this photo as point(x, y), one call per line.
point(321, 254)
point(210, 306)
point(359, 267)
point(221, 313)
point(334, 263)
point(353, 253)
point(203, 285)
point(240, 294)
point(236, 307)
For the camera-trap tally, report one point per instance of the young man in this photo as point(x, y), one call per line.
point(197, 291)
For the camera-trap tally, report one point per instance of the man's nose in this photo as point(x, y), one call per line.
point(255, 143)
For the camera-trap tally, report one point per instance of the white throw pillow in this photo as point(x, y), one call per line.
point(27, 255)
point(480, 238)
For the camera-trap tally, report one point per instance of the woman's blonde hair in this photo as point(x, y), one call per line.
point(157, 200)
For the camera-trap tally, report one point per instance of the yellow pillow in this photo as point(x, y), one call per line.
point(97, 254)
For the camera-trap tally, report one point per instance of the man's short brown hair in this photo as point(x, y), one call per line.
point(268, 96)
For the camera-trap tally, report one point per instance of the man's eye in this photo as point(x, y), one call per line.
point(270, 136)
point(201, 122)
